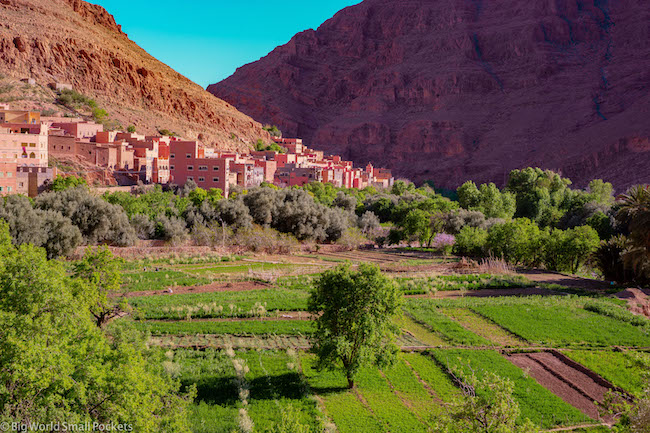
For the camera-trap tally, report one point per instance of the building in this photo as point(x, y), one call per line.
point(187, 161)
point(16, 116)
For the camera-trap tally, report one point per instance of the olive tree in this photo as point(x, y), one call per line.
point(355, 310)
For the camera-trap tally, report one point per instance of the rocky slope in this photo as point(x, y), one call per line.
point(71, 41)
point(448, 90)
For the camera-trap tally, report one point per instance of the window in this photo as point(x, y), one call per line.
point(32, 144)
point(188, 155)
point(190, 168)
point(203, 168)
point(9, 188)
point(201, 179)
point(172, 156)
point(171, 167)
point(2, 174)
point(190, 178)
point(215, 179)
point(9, 174)
point(21, 184)
point(215, 168)
point(32, 155)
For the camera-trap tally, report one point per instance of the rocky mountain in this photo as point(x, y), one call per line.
point(449, 90)
point(75, 42)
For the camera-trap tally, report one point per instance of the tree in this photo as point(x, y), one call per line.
point(471, 242)
point(101, 273)
point(634, 213)
point(568, 250)
point(488, 200)
point(131, 129)
point(354, 327)
point(57, 366)
point(417, 224)
point(61, 183)
point(518, 241)
point(487, 406)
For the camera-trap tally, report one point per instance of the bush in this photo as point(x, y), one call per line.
point(443, 243)
point(265, 240)
point(455, 221)
point(131, 129)
point(171, 229)
point(61, 183)
point(608, 258)
point(351, 239)
point(97, 220)
point(518, 241)
point(471, 241)
point(369, 224)
point(568, 250)
point(143, 226)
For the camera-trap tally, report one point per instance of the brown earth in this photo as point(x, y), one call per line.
point(452, 90)
point(71, 41)
point(576, 386)
point(638, 300)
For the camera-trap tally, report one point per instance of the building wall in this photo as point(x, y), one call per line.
point(80, 130)
point(61, 145)
point(16, 116)
point(7, 176)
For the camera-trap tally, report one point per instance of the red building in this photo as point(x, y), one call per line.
point(187, 162)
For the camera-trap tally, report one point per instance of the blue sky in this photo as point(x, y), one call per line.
point(207, 40)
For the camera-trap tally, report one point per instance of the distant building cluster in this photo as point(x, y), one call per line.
point(27, 140)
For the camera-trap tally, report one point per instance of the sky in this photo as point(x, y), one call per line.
point(207, 40)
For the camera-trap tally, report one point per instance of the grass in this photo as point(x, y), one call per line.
point(219, 304)
point(627, 370)
point(276, 384)
point(232, 269)
point(482, 327)
point(421, 286)
point(341, 405)
point(158, 280)
point(421, 333)
point(450, 331)
point(536, 403)
point(240, 327)
point(561, 322)
point(385, 404)
point(430, 372)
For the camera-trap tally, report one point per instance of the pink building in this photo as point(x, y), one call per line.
point(187, 161)
point(80, 130)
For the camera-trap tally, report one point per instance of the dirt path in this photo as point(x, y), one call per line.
point(220, 286)
point(576, 387)
point(547, 277)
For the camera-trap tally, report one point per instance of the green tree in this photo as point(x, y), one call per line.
point(61, 183)
point(488, 199)
point(417, 224)
point(568, 250)
point(58, 366)
point(487, 406)
point(518, 241)
point(471, 241)
point(355, 326)
point(101, 273)
point(634, 213)
point(131, 129)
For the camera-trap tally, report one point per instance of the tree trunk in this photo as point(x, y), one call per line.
point(351, 383)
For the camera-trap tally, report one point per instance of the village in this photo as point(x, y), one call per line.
point(28, 141)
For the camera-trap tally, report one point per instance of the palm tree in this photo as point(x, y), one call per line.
point(635, 213)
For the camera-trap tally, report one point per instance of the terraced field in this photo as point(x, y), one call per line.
point(245, 344)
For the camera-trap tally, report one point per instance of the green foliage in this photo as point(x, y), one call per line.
point(536, 403)
point(100, 115)
point(635, 214)
point(240, 327)
point(450, 331)
point(355, 328)
point(62, 183)
point(273, 130)
point(166, 132)
point(471, 242)
point(608, 258)
point(518, 241)
point(488, 200)
point(59, 367)
point(273, 147)
point(568, 250)
point(101, 273)
point(75, 100)
point(131, 129)
point(488, 406)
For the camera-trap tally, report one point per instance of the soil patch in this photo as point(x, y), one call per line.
point(577, 386)
point(638, 300)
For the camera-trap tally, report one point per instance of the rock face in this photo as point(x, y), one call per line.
point(449, 90)
point(71, 41)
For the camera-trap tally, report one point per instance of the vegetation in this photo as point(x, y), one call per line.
point(62, 183)
point(355, 326)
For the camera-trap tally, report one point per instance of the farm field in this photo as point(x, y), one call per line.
point(246, 348)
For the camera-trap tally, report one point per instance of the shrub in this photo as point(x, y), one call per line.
point(471, 242)
point(369, 224)
point(171, 229)
point(131, 129)
point(608, 258)
point(455, 221)
point(444, 243)
point(61, 183)
point(568, 250)
point(351, 239)
point(143, 226)
point(518, 241)
point(265, 239)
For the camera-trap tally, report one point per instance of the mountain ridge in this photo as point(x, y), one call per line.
point(452, 90)
point(75, 42)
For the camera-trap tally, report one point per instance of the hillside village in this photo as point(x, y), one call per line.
point(29, 142)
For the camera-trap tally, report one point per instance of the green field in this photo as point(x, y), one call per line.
point(424, 285)
point(536, 402)
point(423, 311)
point(627, 370)
point(239, 327)
point(220, 304)
point(159, 280)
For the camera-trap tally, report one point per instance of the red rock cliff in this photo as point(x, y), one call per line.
point(450, 90)
point(76, 42)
